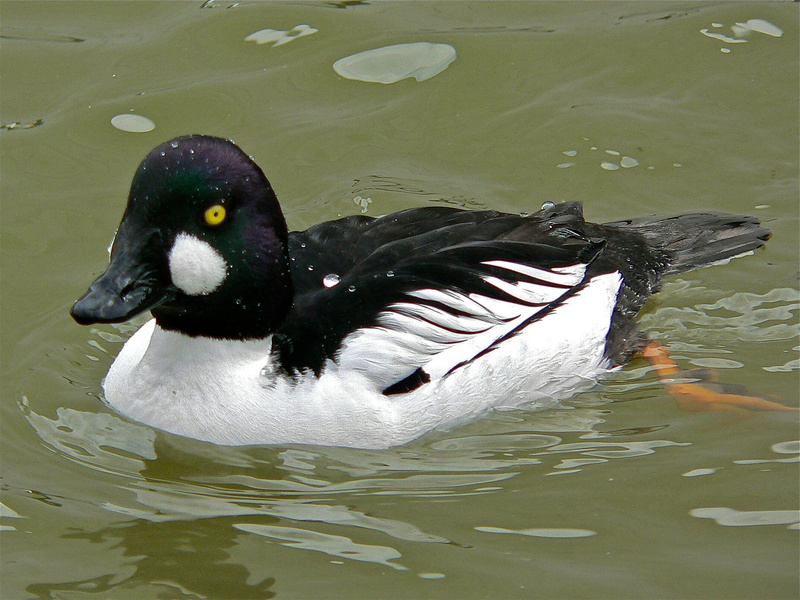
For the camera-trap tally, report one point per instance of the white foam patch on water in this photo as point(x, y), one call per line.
point(277, 37)
point(729, 517)
point(390, 64)
point(363, 203)
point(700, 472)
point(742, 30)
point(761, 26)
point(787, 367)
point(791, 447)
point(8, 512)
point(722, 37)
point(540, 532)
point(625, 162)
point(132, 123)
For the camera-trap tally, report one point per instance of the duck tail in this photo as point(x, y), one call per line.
point(699, 240)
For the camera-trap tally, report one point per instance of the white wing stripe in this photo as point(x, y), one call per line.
point(454, 300)
point(440, 317)
point(424, 329)
point(530, 293)
point(568, 276)
point(539, 294)
point(502, 309)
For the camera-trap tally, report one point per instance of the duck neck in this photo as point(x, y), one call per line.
point(245, 307)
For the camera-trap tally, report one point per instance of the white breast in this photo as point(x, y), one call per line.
point(227, 391)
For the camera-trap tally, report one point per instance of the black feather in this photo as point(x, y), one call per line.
point(379, 260)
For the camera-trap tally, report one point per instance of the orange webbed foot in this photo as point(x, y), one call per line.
point(697, 395)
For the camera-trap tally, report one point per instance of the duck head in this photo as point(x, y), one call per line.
point(202, 245)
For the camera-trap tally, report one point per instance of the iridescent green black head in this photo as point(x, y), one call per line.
point(202, 245)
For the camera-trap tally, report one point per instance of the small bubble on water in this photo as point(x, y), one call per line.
point(352, 288)
point(173, 144)
point(310, 267)
point(548, 205)
point(390, 273)
point(330, 280)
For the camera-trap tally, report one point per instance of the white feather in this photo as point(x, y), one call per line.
point(456, 301)
point(195, 266)
point(570, 275)
point(527, 292)
point(228, 392)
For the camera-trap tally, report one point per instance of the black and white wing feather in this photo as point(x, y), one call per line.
point(424, 291)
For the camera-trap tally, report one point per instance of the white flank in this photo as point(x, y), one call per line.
point(228, 392)
point(195, 266)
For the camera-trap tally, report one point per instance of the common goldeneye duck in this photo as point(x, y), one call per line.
point(366, 332)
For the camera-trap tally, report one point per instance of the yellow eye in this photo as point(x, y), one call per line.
point(214, 215)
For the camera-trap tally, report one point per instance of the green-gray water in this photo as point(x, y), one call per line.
point(618, 495)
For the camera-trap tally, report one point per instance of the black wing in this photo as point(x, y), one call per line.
point(442, 274)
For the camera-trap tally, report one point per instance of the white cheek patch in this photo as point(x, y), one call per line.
point(195, 266)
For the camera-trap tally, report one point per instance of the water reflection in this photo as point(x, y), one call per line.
point(334, 545)
point(104, 441)
point(140, 564)
point(730, 517)
point(305, 497)
point(556, 533)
